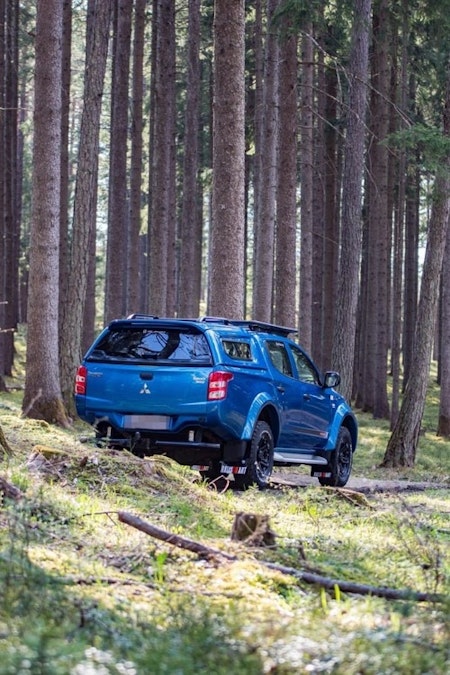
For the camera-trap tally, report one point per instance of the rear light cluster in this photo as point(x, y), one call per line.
point(218, 384)
point(80, 380)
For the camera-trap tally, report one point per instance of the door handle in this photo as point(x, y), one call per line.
point(307, 397)
point(281, 388)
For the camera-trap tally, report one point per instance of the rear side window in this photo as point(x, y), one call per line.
point(238, 350)
point(146, 344)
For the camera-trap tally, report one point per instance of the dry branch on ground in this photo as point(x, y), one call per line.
point(301, 575)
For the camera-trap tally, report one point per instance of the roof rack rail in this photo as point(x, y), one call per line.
point(260, 326)
point(142, 316)
point(264, 327)
point(215, 319)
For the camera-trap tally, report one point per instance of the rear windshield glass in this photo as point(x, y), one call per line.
point(145, 344)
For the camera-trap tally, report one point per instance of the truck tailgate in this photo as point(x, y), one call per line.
point(146, 390)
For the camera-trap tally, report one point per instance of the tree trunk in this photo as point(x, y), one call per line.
point(226, 280)
point(84, 217)
point(378, 249)
point(444, 354)
point(134, 300)
point(11, 187)
point(351, 233)
point(64, 248)
point(2, 198)
point(399, 221)
point(191, 224)
point(411, 273)
point(42, 397)
point(402, 447)
point(286, 225)
point(161, 219)
point(306, 171)
point(331, 231)
point(115, 281)
point(265, 225)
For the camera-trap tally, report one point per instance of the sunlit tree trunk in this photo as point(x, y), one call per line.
point(226, 274)
point(42, 397)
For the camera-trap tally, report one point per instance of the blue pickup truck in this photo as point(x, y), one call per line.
point(223, 396)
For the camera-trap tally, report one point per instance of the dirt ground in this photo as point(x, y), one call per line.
point(364, 485)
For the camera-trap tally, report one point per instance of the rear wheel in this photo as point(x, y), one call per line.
point(341, 461)
point(259, 469)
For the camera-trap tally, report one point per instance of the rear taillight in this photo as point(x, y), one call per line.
point(80, 380)
point(217, 385)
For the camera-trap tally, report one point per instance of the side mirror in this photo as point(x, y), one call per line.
point(331, 379)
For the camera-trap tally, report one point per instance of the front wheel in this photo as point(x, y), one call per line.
point(341, 460)
point(259, 469)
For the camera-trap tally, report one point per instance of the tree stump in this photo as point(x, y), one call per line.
point(253, 529)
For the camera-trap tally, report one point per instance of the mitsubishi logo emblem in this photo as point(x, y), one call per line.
point(145, 390)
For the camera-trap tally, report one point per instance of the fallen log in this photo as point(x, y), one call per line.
point(174, 539)
point(301, 575)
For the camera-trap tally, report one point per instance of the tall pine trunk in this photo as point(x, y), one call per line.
point(161, 258)
point(191, 223)
point(85, 203)
point(115, 282)
point(42, 397)
point(351, 232)
point(226, 274)
point(265, 225)
point(285, 267)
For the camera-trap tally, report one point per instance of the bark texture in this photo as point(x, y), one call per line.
point(351, 231)
point(84, 218)
point(42, 397)
point(226, 273)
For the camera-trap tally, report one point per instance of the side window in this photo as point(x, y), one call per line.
point(305, 369)
point(279, 357)
point(237, 350)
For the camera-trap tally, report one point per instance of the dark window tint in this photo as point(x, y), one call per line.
point(158, 345)
point(237, 350)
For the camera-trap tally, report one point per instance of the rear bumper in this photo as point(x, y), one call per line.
point(192, 446)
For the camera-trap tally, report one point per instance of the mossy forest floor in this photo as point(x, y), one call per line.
point(82, 592)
